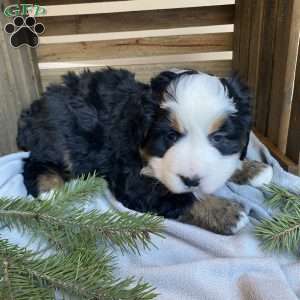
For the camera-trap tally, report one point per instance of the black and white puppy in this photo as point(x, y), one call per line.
point(156, 145)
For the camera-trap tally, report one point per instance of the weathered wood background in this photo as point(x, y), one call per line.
point(258, 38)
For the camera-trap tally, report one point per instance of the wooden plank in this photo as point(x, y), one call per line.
point(242, 37)
point(142, 20)
point(19, 85)
point(284, 161)
point(136, 47)
point(293, 145)
point(266, 65)
point(159, 59)
point(284, 71)
point(109, 36)
point(255, 44)
point(146, 71)
point(61, 2)
point(125, 6)
point(247, 40)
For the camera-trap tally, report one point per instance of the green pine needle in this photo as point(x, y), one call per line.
point(82, 267)
point(282, 232)
point(79, 274)
point(281, 198)
point(63, 226)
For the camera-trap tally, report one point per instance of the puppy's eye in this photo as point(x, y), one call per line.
point(173, 136)
point(217, 137)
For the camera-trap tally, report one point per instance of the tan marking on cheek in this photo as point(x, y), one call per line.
point(47, 182)
point(176, 124)
point(144, 154)
point(216, 125)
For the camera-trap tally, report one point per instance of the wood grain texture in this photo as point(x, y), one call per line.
point(19, 85)
point(126, 6)
point(62, 2)
point(135, 47)
point(145, 72)
point(247, 42)
point(141, 20)
point(266, 62)
point(293, 145)
point(284, 71)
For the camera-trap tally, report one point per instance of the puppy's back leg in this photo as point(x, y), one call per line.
point(41, 177)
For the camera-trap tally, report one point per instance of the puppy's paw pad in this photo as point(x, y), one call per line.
point(264, 177)
point(241, 222)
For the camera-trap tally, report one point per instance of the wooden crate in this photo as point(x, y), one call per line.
point(257, 38)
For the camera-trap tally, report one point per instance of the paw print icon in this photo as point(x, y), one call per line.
point(24, 31)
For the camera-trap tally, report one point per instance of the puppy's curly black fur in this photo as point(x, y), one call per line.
point(96, 122)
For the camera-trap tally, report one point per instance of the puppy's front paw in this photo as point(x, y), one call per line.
point(254, 173)
point(217, 215)
point(263, 177)
point(230, 218)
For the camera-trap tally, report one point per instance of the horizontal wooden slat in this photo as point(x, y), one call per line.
point(141, 20)
point(135, 47)
point(125, 6)
point(145, 72)
point(61, 2)
point(159, 59)
point(108, 36)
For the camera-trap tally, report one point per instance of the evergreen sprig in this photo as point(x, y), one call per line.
point(282, 232)
point(80, 274)
point(82, 265)
point(281, 198)
point(63, 226)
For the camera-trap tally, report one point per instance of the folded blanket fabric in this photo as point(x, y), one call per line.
point(192, 263)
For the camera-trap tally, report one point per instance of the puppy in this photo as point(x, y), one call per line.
point(156, 145)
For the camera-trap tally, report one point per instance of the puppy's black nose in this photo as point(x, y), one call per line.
point(190, 182)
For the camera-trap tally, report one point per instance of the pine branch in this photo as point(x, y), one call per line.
point(282, 232)
point(80, 274)
point(65, 227)
point(14, 285)
point(281, 198)
point(76, 192)
point(124, 230)
point(80, 267)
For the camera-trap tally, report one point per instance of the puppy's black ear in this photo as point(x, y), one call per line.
point(80, 104)
point(161, 81)
point(241, 96)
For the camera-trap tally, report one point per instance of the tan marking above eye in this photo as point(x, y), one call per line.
point(217, 124)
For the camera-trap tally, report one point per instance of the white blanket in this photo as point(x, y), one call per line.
point(192, 263)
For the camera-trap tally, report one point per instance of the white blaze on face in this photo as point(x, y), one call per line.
point(197, 102)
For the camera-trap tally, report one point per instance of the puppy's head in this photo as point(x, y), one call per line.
point(200, 132)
